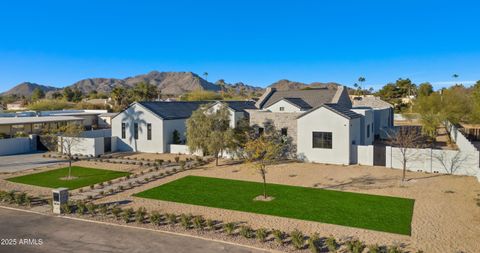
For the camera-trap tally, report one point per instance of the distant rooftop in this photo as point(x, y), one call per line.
point(312, 97)
point(36, 120)
point(338, 109)
point(240, 106)
point(174, 109)
point(370, 101)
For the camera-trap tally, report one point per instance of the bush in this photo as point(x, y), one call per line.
point(278, 236)
point(116, 212)
point(312, 243)
point(127, 176)
point(110, 191)
point(109, 182)
point(81, 207)
point(91, 208)
point(9, 197)
point(80, 190)
point(355, 246)
point(229, 228)
point(20, 198)
point(155, 218)
point(298, 239)
point(127, 213)
point(92, 187)
point(159, 161)
point(374, 248)
point(177, 159)
point(185, 220)
point(394, 249)
point(198, 222)
point(120, 188)
point(103, 210)
point(210, 224)
point(182, 165)
point(66, 208)
point(246, 231)
point(331, 244)
point(172, 218)
point(28, 201)
point(140, 214)
point(261, 234)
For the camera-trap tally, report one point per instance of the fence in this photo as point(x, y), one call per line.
point(365, 155)
point(18, 145)
point(462, 142)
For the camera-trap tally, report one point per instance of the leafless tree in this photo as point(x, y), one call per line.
point(69, 139)
point(407, 139)
point(451, 163)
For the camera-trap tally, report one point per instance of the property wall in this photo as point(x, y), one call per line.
point(324, 120)
point(14, 146)
point(138, 114)
point(97, 133)
point(282, 103)
point(365, 154)
point(182, 149)
point(462, 142)
point(83, 146)
point(280, 120)
point(435, 160)
point(366, 124)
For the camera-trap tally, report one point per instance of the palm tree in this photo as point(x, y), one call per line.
point(205, 74)
point(361, 80)
point(356, 88)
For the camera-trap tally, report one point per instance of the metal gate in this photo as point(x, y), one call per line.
point(379, 156)
point(107, 144)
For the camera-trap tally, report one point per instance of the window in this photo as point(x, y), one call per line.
point(135, 131)
point(284, 131)
point(322, 140)
point(149, 131)
point(123, 131)
point(368, 131)
point(282, 108)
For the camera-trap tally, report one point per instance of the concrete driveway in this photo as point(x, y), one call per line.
point(65, 235)
point(12, 163)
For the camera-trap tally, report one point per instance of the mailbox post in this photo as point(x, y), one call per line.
point(60, 197)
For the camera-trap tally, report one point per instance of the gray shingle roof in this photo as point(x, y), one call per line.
point(240, 106)
point(174, 109)
point(338, 109)
point(298, 102)
point(313, 97)
point(370, 101)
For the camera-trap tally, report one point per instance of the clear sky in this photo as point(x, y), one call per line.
point(257, 42)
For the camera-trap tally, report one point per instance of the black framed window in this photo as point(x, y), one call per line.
point(368, 131)
point(135, 131)
point(123, 131)
point(284, 131)
point(149, 131)
point(322, 140)
point(282, 108)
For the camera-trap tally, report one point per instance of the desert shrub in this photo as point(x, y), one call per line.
point(120, 188)
point(80, 190)
point(174, 170)
point(20, 198)
point(161, 174)
point(9, 197)
point(172, 218)
point(185, 220)
point(127, 176)
point(89, 197)
point(155, 218)
point(261, 234)
point(229, 228)
point(278, 236)
point(298, 239)
point(177, 159)
point(127, 213)
point(28, 201)
point(198, 222)
point(331, 244)
point(312, 243)
point(66, 208)
point(116, 212)
point(130, 185)
point(110, 191)
point(140, 214)
point(109, 182)
point(103, 209)
point(92, 187)
point(182, 165)
point(355, 246)
point(159, 161)
point(246, 231)
point(394, 249)
point(81, 207)
point(146, 179)
point(210, 224)
point(374, 248)
point(102, 193)
point(91, 208)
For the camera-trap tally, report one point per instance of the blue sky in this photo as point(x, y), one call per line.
point(257, 42)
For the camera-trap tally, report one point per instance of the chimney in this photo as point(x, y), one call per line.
point(268, 92)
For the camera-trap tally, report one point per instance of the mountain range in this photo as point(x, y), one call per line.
point(174, 83)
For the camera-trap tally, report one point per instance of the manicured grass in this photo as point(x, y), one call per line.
point(381, 213)
point(84, 177)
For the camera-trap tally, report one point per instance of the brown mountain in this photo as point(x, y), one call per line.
point(285, 84)
point(26, 89)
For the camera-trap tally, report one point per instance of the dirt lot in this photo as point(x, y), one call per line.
point(446, 217)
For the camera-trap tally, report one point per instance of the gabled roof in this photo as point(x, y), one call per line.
point(174, 109)
point(240, 106)
point(370, 101)
point(313, 97)
point(298, 102)
point(338, 109)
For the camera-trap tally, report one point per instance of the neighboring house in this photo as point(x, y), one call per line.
point(90, 117)
point(99, 101)
point(105, 119)
point(33, 125)
point(149, 126)
point(17, 106)
point(383, 112)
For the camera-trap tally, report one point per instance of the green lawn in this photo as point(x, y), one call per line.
point(84, 177)
point(381, 213)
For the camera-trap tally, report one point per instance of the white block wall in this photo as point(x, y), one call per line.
point(365, 155)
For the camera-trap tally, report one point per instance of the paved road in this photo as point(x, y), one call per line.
point(12, 163)
point(64, 235)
